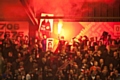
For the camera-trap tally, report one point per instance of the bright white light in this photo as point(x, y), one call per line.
point(60, 27)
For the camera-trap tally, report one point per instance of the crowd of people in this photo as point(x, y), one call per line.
point(25, 58)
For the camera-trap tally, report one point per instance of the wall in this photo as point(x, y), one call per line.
point(90, 29)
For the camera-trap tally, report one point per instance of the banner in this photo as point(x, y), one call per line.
point(46, 25)
point(50, 44)
point(14, 28)
point(95, 29)
point(116, 30)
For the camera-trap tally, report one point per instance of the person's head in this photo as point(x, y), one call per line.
point(82, 78)
point(36, 40)
point(116, 72)
point(86, 55)
point(85, 47)
point(46, 68)
point(30, 59)
point(46, 20)
point(101, 61)
point(71, 71)
point(105, 69)
point(26, 37)
point(19, 55)
point(98, 77)
point(10, 54)
point(113, 42)
point(43, 60)
point(84, 61)
point(76, 66)
point(62, 38)
point(21, 63)
point(111, 65)
point(95, 63)
point(96, 47)
point(115, 54)
point(99, 52)
point(19, 77)
point(78, 53)
point(9, 64)
point(90, 52)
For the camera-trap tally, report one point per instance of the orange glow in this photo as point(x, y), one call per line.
point(78, 29)
point(66, 29)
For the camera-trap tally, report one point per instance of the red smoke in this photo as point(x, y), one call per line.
point(63, 7)
point(109, 1)
point(14, 8)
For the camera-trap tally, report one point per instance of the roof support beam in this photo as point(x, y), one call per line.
point(29, 12)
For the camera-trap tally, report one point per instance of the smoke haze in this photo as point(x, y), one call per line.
point(62, 7)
